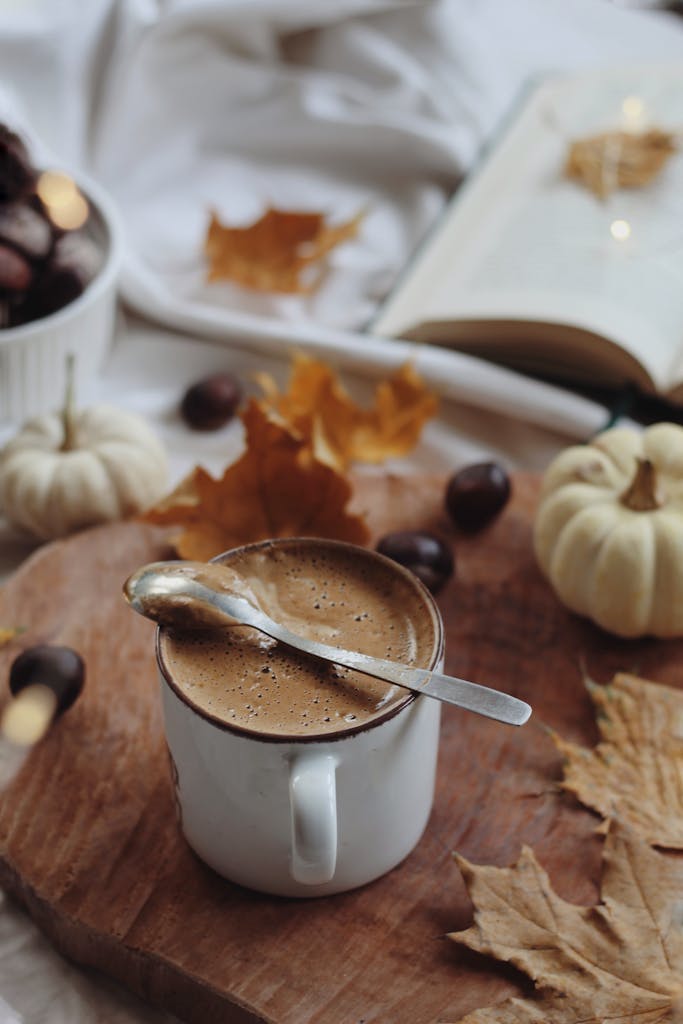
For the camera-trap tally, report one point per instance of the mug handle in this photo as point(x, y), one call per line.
point(313, 803)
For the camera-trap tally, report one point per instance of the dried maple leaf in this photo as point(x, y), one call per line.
point(318, 407)
point(276, 489)
point(183, 496)
point(273, 253)
point(635, 773)
point(619, 961)
point(613, 160)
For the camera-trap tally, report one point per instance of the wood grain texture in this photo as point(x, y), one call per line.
point(88, 839)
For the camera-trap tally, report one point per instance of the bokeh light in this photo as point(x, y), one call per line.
point(620, 229)
point(633, 111)
point(65, 204)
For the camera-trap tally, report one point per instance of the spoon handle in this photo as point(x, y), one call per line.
point(482, 699)
point(450, 689)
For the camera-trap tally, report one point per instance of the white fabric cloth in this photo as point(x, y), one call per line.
point(182, 106)
point(177, 106)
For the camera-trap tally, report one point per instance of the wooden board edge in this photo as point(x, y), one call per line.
point(151, 978)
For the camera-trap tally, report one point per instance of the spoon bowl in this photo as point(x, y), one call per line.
point(184, 595)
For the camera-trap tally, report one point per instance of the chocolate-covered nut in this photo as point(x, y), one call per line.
point(42, 267)
point(76, 250)
point(25, 228)
point(476, 494)
point(429, 557)
point(52, 289)
point(17, 176)
point(59, 668)
point(15, 272)
point(212, 402)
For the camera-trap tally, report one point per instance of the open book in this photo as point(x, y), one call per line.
point(534, 270)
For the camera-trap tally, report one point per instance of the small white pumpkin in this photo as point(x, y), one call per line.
point(66, 471)
point(608, 531)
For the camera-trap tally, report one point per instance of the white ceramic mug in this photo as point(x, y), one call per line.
point(306, 816)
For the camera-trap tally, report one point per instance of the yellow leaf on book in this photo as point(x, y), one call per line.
point(614, 160)
point(319, 408)
point(619, 961)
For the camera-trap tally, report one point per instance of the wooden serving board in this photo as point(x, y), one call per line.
point(88, 838)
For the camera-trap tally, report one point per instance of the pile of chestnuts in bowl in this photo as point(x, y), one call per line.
point(60, 255)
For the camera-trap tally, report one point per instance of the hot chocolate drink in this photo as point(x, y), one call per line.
point(335, 593)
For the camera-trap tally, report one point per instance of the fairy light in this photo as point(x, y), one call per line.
point(66, 206)
point(633, 112)
point(620, 230)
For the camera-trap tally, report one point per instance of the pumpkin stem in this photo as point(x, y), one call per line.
point(69, 410)
point(641, 494)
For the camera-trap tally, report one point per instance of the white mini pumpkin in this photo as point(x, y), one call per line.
point(65, 471)
point(608, 531)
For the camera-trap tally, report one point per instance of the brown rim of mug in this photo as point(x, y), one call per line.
point(320, 737)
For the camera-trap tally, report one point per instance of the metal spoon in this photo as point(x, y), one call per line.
point(193, 595)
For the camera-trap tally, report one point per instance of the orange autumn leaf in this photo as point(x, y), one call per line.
point(274, 253)
point(318, 407)
point(276, 489)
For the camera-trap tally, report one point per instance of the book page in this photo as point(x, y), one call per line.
point(522, 242)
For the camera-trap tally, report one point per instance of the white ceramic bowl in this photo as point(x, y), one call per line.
point(33, 355)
